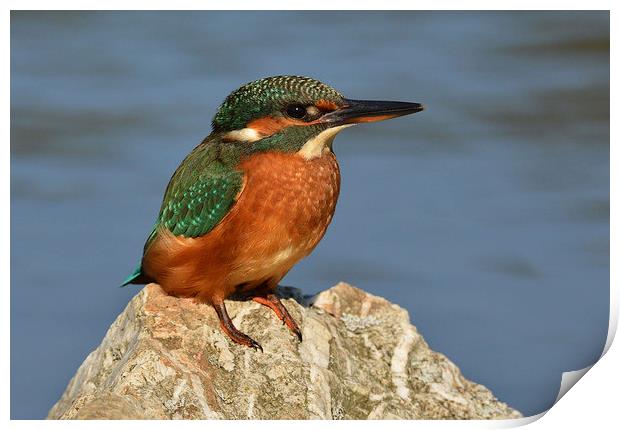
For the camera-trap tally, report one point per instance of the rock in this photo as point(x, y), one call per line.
point(166, 357)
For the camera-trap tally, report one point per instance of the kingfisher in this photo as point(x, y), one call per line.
point(255, 196)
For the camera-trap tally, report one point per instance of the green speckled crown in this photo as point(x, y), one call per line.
point(267, 95)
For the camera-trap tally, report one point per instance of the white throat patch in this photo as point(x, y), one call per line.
point(315, 147)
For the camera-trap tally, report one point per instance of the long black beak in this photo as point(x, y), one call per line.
point(356, 111)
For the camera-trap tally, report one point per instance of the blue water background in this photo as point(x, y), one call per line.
point(486, 216)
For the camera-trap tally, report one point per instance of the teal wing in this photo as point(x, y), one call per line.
point(194, 210)
point(195, 201)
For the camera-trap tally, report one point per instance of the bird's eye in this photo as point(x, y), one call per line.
point(296, 111)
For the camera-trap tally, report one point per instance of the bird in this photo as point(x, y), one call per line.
point(255, 196)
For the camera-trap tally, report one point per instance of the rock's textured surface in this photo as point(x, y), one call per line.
point(360, 358)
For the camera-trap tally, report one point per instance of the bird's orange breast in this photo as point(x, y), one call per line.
point(282, 213)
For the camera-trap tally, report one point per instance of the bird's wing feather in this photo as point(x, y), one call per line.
point(194, 209)
point(199, 195)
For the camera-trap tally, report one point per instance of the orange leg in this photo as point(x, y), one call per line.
point(233, 333)
point(272, 301)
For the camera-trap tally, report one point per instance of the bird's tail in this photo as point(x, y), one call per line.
point(137, 277)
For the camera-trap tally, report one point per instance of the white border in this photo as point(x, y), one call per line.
point(593, 402)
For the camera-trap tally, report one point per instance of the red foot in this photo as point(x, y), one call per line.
point(272, 301)
point(233, 333)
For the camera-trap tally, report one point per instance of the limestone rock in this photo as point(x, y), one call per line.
point(360, 358)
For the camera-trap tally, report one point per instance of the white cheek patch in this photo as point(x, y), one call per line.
point(315, 147)
point(244, 135)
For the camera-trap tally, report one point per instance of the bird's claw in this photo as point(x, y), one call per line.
point(255, 345)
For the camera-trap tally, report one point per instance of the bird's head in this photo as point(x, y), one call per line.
point(296, 114)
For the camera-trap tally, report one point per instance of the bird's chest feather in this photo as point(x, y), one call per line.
point(282, 212)
point(285, 207)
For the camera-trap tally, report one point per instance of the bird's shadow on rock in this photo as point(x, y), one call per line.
point(283, 292)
